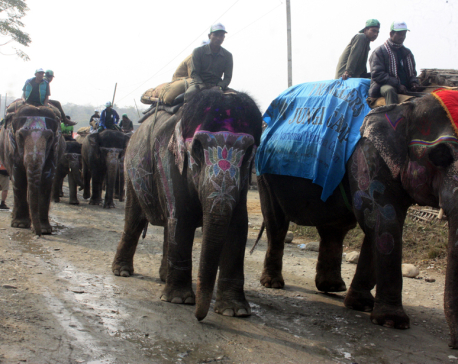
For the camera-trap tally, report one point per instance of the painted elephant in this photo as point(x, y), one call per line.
point(102, 153)
point(408, 154)
point(70, 164)
point(182, 174)
point(30, 146)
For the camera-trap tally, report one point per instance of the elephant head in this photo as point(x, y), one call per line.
point(35, 143)
point(418, 142)
point(214, 145)
point(75, 165)
point(106, 152)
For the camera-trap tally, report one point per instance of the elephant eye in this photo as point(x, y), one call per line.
point(441, 156)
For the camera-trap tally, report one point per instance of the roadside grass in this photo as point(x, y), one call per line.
point(424, 245)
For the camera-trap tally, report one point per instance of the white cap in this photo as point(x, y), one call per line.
point(96, 110)
point(40, 70)
point(108, 103)
point(217, 27)
point(399, 26)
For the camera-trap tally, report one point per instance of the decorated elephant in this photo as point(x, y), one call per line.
point(188, 170)
point(407, 154)
point(70, 164)
point(102, 154)
point(30, 147)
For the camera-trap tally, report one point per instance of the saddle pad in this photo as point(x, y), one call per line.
point(312, 130)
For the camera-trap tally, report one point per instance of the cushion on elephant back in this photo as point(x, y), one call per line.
point(19, 104)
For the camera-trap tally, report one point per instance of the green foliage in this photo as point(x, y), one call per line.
point(11, 13)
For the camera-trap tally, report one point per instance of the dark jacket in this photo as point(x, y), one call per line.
point(354, 57)
point(383, 74)
point(208, 68)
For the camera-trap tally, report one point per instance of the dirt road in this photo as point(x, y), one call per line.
point(60, 303)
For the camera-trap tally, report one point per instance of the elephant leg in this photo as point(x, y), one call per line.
point(380, 206)
point(165, 249)
point(45, 196)
point(97, 180)
point(21, 215)
point(135, 222)
point(359, 296)
point(72, 186)
point(276, 229)
point(86, 181)
point(328, 269)
point(56, 188)
point(230, 296)
point(61, 187)
point(178, 287)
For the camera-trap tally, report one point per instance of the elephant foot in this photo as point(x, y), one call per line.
point(122, 269)
point(56, 200)
point(327, 283)
point(86, 195)
point(271, 281)
point(178, 295)
point(233, 308)
point(163, 272)
point(61, 194)
point(359, 300)
point(121, 199)
point(74, 202)
point(21, 223)
point(109, 205)
point(95, 201)
point(453, 343)
point(390, 316)
point(46, 228)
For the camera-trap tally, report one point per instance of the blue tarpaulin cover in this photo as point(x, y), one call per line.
point(312, 131)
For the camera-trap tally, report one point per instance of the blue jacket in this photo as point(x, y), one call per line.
point(108, 122)
point(43, 89)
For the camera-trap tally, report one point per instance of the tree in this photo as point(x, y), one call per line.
point(11, 13)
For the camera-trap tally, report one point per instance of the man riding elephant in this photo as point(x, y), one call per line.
point(36, 90)
point(109, 118)
point(393, 67)
point(209, 63)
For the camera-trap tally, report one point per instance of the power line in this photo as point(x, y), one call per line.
point(241, 30)
point(206, 29)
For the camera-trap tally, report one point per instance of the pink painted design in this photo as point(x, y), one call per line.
point(224, 165)
point(35, 136)
point(394, 124)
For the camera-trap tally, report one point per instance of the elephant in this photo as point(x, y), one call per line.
point(30, 147)
point(70, 164)
point(192, 170)
point(102, 153)
point(408, 153)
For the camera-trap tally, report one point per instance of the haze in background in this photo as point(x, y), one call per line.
point(91, 45)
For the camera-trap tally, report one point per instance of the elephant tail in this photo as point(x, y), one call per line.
point(263, 226)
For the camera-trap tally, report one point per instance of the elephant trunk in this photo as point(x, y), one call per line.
point(451, 282)
point(75, 170)
point(35, 146)
point(215, 227)
point(112, 171)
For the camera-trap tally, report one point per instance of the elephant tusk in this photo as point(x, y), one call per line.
point(441, 214)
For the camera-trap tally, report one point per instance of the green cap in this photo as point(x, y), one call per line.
point(398, 26)
point(49, 73)
point(124, 115)
point(371, 23)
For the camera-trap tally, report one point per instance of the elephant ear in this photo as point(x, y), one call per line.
point(178, 147)
point(386, 127)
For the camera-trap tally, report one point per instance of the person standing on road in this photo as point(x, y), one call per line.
point(209, 63)
point(353, 61)
point(4, 186)
point(393, 67)
point(109, 118)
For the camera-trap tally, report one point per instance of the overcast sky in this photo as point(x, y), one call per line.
point(92, 44)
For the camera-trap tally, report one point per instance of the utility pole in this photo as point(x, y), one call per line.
point(288, 32)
